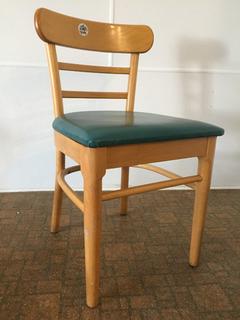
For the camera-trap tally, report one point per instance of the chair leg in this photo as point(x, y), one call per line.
point(124, 184)
point(57, 198)
point(200, 205)
point(92, 230)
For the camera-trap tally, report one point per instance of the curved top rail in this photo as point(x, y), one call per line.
point(60, 29)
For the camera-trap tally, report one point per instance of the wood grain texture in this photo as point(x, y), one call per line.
point(133, 154)
point(205, 164)
point(132, 82)
point(150, 187)
point(56, 28)
point(72, 195)
point(89, 68)
point(94, 95)
point(58, 193)
point(93, 169)
point(124, 185)
point(70, 147)
point(55, 79)
point(163, 172)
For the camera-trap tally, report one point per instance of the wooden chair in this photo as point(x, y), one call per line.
point(100, 140)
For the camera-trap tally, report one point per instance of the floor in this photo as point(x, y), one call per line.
point(144, 266)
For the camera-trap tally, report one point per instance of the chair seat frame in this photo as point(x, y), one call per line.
point(93, 163)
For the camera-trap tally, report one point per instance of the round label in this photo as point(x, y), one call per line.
point(83, 29)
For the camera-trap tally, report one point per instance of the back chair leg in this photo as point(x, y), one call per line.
point(200, 205)
point(58, 193)
point(124, 184)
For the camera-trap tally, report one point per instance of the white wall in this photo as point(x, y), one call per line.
point(193, 70)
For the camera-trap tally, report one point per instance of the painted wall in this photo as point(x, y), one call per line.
point(193, 70)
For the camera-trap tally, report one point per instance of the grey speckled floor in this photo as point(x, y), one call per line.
point(144, 265)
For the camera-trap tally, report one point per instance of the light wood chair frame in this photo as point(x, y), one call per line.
point(93, 162)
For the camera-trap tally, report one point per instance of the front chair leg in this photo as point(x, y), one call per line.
point(58, 193)
point(92, 174)
point(200, 205)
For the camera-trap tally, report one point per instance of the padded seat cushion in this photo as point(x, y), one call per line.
point(110, 128)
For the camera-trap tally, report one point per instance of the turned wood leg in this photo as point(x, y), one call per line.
point(124, 184)
point(92, 173)
point(58, 193)
point(200, 205)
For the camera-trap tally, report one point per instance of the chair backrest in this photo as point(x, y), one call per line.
point(58, 29)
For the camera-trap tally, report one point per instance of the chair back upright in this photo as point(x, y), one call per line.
point(56, 29)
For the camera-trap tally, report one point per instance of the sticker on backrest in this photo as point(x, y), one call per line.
point(83, 29)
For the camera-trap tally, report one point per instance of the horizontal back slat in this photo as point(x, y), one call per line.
point(59, 29)
point(90, 68)
point(94, 95)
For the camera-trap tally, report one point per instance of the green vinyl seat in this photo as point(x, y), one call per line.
point(110, 128)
